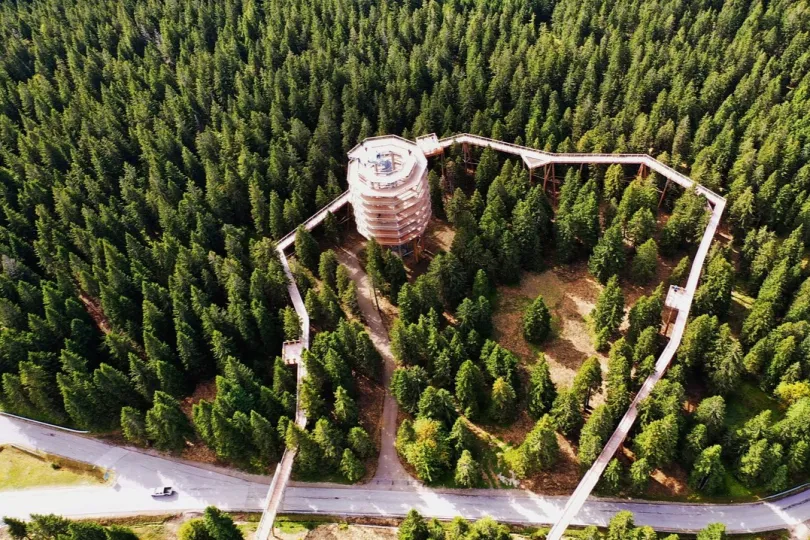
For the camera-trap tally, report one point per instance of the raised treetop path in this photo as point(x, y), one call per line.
point(535, 158)
point(430, 145)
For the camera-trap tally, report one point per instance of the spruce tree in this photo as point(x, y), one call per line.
point(567, 412)
point(470, 389)
point(327, 268)
point(608, 313)
point(166, 425)
point(542, 391)
point(220, 525)
point(351, 467)
point(503, 401)
point(645, 261)
point(468, 472)
point(306, 248)
point(133, 425)
point(608, 256)
point(536, 321)
point(360, 442)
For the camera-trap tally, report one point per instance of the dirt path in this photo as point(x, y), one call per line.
point(389, 469)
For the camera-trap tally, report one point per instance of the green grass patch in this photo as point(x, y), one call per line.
point(150, 531)
point(747, 401)
point(20, 470)
point(735, 489)
point(294, 525)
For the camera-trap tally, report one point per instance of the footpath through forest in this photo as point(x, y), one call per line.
point(389, 469)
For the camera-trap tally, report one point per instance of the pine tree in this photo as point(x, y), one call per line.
point(608, 256)
point(468, 472)
point(646, 261)
point(608, 313)
point(351, 467)
point(536, 321)
point(542, 391)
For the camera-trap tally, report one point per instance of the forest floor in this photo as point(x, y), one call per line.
point(570, 292)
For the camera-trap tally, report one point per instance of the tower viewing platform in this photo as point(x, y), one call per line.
point(388, 189)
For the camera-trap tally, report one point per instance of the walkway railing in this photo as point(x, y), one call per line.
point(541, 158)
point(284, 469)
point(314, 220)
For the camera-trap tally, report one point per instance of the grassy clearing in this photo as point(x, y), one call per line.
point(295, 527)
point(20, 470)
point(747, 401)
point(156, 530)
point(740, 306)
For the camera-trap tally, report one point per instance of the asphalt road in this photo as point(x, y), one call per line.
point(137, 473)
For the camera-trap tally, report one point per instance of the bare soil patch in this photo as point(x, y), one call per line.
point(370, 404)
point(198, 450)
point(563, 477)
point(570, 293)
point(343, 531)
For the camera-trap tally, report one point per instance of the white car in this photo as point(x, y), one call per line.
point(163, 491)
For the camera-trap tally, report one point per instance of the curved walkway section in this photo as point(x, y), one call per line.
point(536, 158)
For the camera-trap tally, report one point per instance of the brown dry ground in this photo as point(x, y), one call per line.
point(570, 292)
point(198, 450)
point(370, 404)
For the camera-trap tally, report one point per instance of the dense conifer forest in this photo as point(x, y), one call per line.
point(150, 153)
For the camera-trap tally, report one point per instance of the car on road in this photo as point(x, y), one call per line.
point(163, 491)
